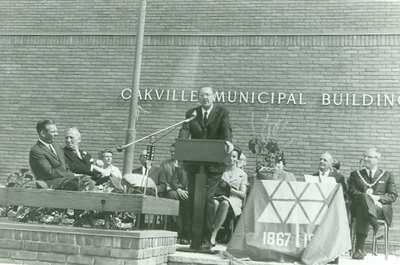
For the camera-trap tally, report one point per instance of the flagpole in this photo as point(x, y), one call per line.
point(131, 131)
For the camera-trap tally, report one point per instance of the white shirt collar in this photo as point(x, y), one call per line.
point(46, 144)
point(208, 111)
point(144, 172)
point(324, 174)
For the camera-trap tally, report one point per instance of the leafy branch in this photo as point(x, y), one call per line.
point(264, 144)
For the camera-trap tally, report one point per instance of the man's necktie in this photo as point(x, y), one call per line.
point(370, 174)
point(205, 118)
point(52, 150)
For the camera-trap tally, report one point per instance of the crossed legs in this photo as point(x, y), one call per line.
point(221, 211)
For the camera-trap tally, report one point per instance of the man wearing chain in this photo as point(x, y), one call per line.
point(372, 191)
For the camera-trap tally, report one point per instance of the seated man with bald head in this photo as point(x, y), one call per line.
point(149, 170)
point(326, 171)
point(80, 161)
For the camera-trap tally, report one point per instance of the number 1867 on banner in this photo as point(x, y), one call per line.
point(281, 239)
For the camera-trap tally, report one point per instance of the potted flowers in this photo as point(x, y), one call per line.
point(264, 145)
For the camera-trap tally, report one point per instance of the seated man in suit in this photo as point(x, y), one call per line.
point(173, 185)
point(79, 161)
point(326, 171)
point(47, 161)
point(372, 191)
point(147, 169)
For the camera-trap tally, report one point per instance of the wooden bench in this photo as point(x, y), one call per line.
point(98, 201)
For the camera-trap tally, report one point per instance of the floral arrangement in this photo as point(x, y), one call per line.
point(264, 145)
point(24, 179)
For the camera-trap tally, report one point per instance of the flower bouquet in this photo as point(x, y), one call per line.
point(264, 145)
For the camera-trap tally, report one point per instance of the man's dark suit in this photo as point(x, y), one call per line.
point(365, 211)
point(77, 165)
point(49, 167)
point(171, 179)
point(217, 127)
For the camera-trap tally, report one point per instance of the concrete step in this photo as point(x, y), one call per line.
point(184, 258)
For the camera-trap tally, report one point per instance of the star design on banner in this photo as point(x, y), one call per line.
point(295, 202)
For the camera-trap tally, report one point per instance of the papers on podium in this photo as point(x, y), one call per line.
point(316, 179)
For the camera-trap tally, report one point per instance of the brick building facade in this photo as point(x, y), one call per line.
point(70, 61)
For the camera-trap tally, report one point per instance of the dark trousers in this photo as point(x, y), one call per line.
point(366, 213)
point(184, 219)
point(213, 179)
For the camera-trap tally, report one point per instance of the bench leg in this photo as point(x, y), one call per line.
point(138, 219)
point(353, 237)
point(386, 237)
point(166, 217)
point(107, 220)
point(374, 244)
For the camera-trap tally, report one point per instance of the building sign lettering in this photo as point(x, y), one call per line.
point(272, 98)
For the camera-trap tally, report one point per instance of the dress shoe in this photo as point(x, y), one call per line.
point(335, 261)
point(358, 254)
point(207, 245)
point(184, 241)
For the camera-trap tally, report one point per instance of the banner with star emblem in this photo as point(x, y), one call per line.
point(292, 221)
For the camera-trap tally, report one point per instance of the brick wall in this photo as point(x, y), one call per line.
point(208, 16)
point(69, 61)
point(43, 244)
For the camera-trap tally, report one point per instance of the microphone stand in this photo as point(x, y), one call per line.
point(122, 147)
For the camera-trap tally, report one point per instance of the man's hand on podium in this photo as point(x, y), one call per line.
point(228, 147)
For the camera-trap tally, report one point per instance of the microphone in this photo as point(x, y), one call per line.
point(122, 147)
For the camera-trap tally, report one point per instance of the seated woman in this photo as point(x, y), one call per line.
point(109, 170)
point(236, 178)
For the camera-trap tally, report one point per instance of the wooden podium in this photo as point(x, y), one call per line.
point(199, 153)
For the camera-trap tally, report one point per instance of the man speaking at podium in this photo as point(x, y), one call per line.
point(210, 122)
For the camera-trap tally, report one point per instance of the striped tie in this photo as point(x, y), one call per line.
point(205, 118)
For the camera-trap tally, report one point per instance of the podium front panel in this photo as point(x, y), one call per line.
point(200, 150)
